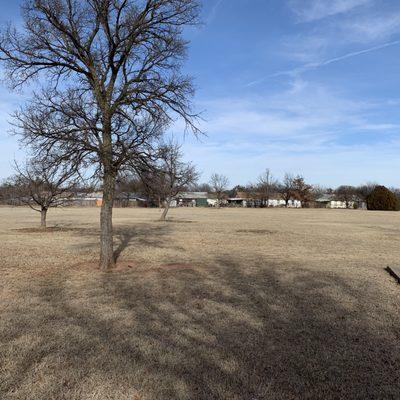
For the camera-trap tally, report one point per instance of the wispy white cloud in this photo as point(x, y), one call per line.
point(313, 10)
point(305, 109)
point(314, 65)
point(369, 27)
point(328, 165)
point(308, 128)
point(213, 13)
point(326, 42)
point(304, 48)
point(342, 35)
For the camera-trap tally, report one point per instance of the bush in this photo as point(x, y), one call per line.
point(382, 198)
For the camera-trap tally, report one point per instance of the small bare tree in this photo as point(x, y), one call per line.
point(319, 190)
point(287, 189)
point(302, 191)
point(9, 193)
point(266, 186)
point(346, 194)
point(42, 186)
point(200, 187)
point(129, 184)
point(171, 176)
point(365, 190)
point(219, 184)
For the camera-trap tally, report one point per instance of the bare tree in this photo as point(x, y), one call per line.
point(287, 189)
point(119, 62)
point(129, 184)
point(172, 176)
point(318, 191)
point(266, 186)
point(219, 184)
point(200, 187)
point(365, 190)
point(9, 193)
point(43, 186)
point(252, 195)
point(346, 194)
point(302, 191)
point(395, 190)
point(233, 192)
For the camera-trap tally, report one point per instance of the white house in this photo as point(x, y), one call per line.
point(242, 199)
point(330, 201)
point(190, 199)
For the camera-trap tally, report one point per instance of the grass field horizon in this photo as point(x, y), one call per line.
point(214, 304)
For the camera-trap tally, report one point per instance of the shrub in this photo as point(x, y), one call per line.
point(382, 198)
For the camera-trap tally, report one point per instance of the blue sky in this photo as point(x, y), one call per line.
point(303, 86)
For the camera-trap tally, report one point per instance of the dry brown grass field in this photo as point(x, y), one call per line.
point(215, 304)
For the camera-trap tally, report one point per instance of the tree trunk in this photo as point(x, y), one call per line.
point(165, 211)
point(43, 217)
point(107, 260)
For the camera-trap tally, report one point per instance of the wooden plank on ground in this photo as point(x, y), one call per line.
point(394, 271)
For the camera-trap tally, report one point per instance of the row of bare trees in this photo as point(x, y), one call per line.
point(265, 189)
point(291, 187)
point(42, 185)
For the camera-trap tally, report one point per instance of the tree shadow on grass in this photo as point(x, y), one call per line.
point(153, 236)
point(223, 332)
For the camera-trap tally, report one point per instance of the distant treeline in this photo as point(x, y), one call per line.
point(264, 189)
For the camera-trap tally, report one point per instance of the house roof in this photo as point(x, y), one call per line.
point(193, 195)
point(325, 198)
point(131, 196)
point(90, 196)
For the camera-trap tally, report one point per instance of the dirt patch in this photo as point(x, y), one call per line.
point(130, 265)
point(176, 266)
point(49, 229)
point(62, 229)
point(120, 266)
point(256, 231)
point(178, 221)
